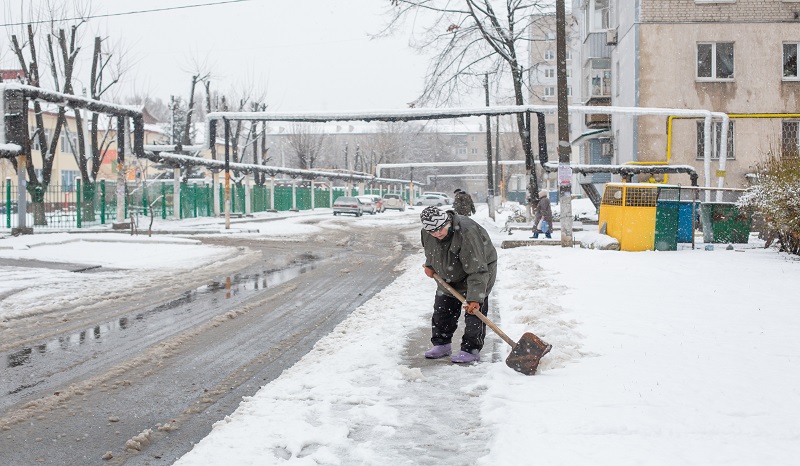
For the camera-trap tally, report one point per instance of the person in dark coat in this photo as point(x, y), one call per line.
point(462, 203)
point(460, 251)
point(544, 213)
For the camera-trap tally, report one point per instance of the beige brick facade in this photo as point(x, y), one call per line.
point(739, 11)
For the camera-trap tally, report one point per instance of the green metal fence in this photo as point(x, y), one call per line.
point(83, 205)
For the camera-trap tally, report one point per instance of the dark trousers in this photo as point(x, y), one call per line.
point(446, 312)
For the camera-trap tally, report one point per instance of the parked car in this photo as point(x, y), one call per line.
point(378, 203)
point(348, 205)
point(368, 204)
point(394, 201)
point(426, 193)
point(433, 199)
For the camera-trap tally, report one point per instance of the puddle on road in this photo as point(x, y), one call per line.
point(234, 286)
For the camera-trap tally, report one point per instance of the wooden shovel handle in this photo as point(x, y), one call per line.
point(478, 314)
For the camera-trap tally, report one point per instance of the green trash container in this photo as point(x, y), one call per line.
point(667, 215)
point(723, 223)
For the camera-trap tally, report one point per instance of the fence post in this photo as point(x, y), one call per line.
point(194, 199)
point(8, 202)
point(78, 204)
point(102, 202)
point(177, 205)
point(163, 201)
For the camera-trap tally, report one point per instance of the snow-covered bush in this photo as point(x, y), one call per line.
point(776, 198)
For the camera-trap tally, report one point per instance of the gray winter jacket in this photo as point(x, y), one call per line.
point(463, 204)
point(466, 259)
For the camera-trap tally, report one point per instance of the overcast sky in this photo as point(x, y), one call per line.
point(303, 54)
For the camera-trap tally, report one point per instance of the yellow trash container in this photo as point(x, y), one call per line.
point(628, 211)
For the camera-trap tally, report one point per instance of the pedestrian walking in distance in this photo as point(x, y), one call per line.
point(543, 213)
point(462, 203)
point(461, 253)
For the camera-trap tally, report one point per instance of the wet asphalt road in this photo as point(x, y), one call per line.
point(154, 374)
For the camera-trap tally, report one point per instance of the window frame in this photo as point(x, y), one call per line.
point(794, 148)
point(716, 140)
point(796, 76)
point(714, 58)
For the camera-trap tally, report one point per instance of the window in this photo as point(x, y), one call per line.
point(549, 72)
point(715, 60)
point(790, 61)
point(549, 55)
point(39, 174)
point(35, 139)
point(598, 78)
point(716, 140)
point(550, 36)
point(461, 151)
point(68, 178)
point(549, 91)
point(473, 151)
point(66, 146)
point(599, 15)
point(569, 91)
point(790, 138)
point(551, 128)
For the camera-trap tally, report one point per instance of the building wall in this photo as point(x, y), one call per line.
point(765, 11)
point(668, 79)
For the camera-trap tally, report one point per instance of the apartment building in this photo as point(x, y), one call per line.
point(732, 56)
point(543, 85)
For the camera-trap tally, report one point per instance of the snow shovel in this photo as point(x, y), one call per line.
point(525, 354)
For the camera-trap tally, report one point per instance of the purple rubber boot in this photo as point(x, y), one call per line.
point(438, 351)
point(465, 357)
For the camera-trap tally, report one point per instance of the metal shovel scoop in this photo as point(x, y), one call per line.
point(525, 354)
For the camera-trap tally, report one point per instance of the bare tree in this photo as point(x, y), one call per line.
point(306, 140)
point(474, 37)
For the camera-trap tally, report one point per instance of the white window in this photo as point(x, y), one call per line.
point(716, 140)
point(549, 91)
point(68, 178)
point(790, 138)
point(549, 55)
point(461, 151)
point(473, 151)
point(550, 36)
point(569, 91)
point(599, 15)
point(66, 146)
point(597, 81)
point(715, 61)
point(549, 72)
point(790, 61)
point(35, 139)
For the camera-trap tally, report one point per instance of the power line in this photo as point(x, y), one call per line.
point(125, 13)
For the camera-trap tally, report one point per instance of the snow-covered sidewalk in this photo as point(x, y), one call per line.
point(684, 357)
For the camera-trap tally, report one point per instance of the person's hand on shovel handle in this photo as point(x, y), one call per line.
point(428, 271)
point(472, 307)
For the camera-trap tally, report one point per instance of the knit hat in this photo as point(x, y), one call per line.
point(433, 219)
point(542, 194)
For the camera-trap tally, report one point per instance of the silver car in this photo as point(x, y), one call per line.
point(394, 201)
point(348, 205)
point(433, 199)
point(368, 204)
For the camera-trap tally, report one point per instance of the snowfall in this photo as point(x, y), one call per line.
point(659, 358)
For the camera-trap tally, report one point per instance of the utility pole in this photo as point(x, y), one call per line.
point(489, 173)
point(564, 148)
